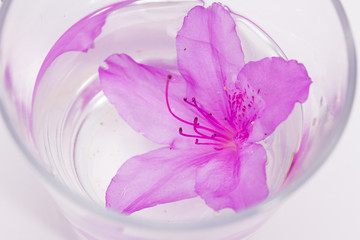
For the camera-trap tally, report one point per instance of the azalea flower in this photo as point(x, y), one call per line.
point(210, 117)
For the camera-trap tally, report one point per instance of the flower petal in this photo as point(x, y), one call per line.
point(138, 93)
point(161, 176)
point(235, 182)
point(219, 176)
point(209, 56)
point(281, 84)
point(80, 37)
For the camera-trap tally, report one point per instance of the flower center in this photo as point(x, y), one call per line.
point(216, 135)
point(245, 105)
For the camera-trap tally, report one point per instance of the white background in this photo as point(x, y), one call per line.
point(327, 207)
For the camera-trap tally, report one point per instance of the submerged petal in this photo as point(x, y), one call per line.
point(235, 182)
point(161, 176)
point(138, 93)
point(209, 56)
point(219, 176)
point(280, 84)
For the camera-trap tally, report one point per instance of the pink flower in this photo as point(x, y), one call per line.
point(209, 118)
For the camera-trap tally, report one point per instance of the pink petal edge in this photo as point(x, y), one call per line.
point(80, 37)
point(160, 176)
point(281, 84)
point(248, 186)
point(209, 56)
point(138, 93)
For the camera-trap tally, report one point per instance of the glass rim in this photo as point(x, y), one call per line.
point(87, 205)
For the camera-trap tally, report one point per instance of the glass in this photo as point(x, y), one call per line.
point(60, 122)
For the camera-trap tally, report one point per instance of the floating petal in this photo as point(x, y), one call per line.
point(160, 176)
point(209, 56)
point(235, 182)
point(138, 93)
point(280, 84)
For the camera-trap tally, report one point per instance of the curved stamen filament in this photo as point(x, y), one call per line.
point(218, 134)
point(210, 144)
point(188, 135)
point(196, 126)
point(173, 114)
point(168, 105)
point(207, 115)
point(200, 136)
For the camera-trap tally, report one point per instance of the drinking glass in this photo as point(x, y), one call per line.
point(54, 108)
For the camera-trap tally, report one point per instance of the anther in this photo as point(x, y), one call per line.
point(169, 77)
point(185, 99)
point(196, 120)
point(180, 130)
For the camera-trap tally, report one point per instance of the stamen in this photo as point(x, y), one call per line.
point(196, 126)
point(201, 136)
point(208, 116)
point(208, 144)
point(171, 112)
point(214, 136)
point(196, 121)
point(168, 105)
point(188, 135)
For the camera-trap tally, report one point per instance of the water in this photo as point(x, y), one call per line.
point(81, 137)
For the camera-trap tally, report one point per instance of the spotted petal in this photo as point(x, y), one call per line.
point(209, 56)
point(280, 84)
